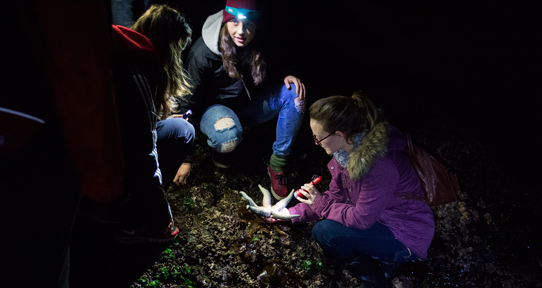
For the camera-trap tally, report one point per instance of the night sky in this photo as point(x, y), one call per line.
point(471, 67)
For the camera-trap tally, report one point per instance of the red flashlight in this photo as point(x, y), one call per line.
point(315, 181)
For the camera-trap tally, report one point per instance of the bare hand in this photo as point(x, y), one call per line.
point(175, 116)
point(271, 219)
point(310, 192)
point(284, 213)
point(182, 174)
point(299, 86)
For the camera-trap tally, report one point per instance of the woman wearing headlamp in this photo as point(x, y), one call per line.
point(226, 71)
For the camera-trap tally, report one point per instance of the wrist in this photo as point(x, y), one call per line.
point(315, 199)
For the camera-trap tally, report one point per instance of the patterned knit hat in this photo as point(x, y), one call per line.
point(242, 9)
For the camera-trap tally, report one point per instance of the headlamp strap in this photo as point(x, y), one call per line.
point(242, 13)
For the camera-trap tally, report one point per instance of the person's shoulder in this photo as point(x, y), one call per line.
point(196, 47)
point(200, 50)
point(384, 168)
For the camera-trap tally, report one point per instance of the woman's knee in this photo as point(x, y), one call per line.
point(291, 96)
point(290, 92)
point(225, 137)
point(322, 232)
point(176, 128)
point(222, 128)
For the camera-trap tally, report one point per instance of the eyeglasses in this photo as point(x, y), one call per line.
point(317, 142)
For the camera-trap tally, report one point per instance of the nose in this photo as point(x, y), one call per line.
point(241, 29)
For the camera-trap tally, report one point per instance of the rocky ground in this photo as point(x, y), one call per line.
point(482, 240)
point(487, 238)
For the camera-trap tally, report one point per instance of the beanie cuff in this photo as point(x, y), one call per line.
point(240, 11)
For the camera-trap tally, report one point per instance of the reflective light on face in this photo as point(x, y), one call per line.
point(241, 32)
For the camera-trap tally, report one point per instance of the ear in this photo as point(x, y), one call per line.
point(341, 135)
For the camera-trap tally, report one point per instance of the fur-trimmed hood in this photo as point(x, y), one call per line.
point(374, 146)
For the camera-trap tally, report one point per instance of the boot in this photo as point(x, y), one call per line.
point(389, 268)
point(366, 269)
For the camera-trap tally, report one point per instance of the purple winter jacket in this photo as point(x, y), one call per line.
point(383, 174)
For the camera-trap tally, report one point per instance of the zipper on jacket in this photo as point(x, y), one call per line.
point(245, 86)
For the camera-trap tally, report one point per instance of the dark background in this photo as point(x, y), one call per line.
point(468, 67)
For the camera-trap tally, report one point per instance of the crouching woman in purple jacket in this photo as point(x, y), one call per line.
point(366, 222)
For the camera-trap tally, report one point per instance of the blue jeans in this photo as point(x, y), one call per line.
point(175, 139)
point(224, 130)
point(343, 242)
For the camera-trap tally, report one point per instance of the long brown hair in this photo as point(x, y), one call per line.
point(230, 58)
point(170, 34)
point(350, 115)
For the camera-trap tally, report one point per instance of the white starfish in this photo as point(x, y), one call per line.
point(266, 210)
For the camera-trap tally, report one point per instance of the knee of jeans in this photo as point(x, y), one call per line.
point(184, 129)
point(299, 104)
point(319, 231)
point(227, 128)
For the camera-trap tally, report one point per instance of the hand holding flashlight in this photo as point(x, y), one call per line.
point(315, 181)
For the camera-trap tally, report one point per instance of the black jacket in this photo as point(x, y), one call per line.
point(211, 83)
point(135, 71)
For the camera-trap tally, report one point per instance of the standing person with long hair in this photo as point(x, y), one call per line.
point(370, 222)
point(148, 74)
point(227, 71)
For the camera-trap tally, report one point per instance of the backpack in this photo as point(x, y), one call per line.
point(439, 185)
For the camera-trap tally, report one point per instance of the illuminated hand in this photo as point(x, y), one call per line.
point(299, 86)
point(310, 192)
point(276, 211)
point(182, 174)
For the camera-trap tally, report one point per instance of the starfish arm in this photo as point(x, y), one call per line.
point(266, 202)
point(283, 217)
point(255, 208)
point(284, 202)
point(250, 201)
point(261, 210)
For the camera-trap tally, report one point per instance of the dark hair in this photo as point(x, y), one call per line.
point(170, 34)
point(350, 115)
point(230, 58)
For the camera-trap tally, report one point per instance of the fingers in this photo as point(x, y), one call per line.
point(182, 174)
point(175, 116)
point(287, 82)
point(300, 90)
point(301, 199)
point(299, 86)
point(271, 219)
point(308, 187)
point(311, 189)
point(180, 179)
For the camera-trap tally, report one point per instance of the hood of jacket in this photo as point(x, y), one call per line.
point(130, 42)
point(374, 146)
point(210, 31)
